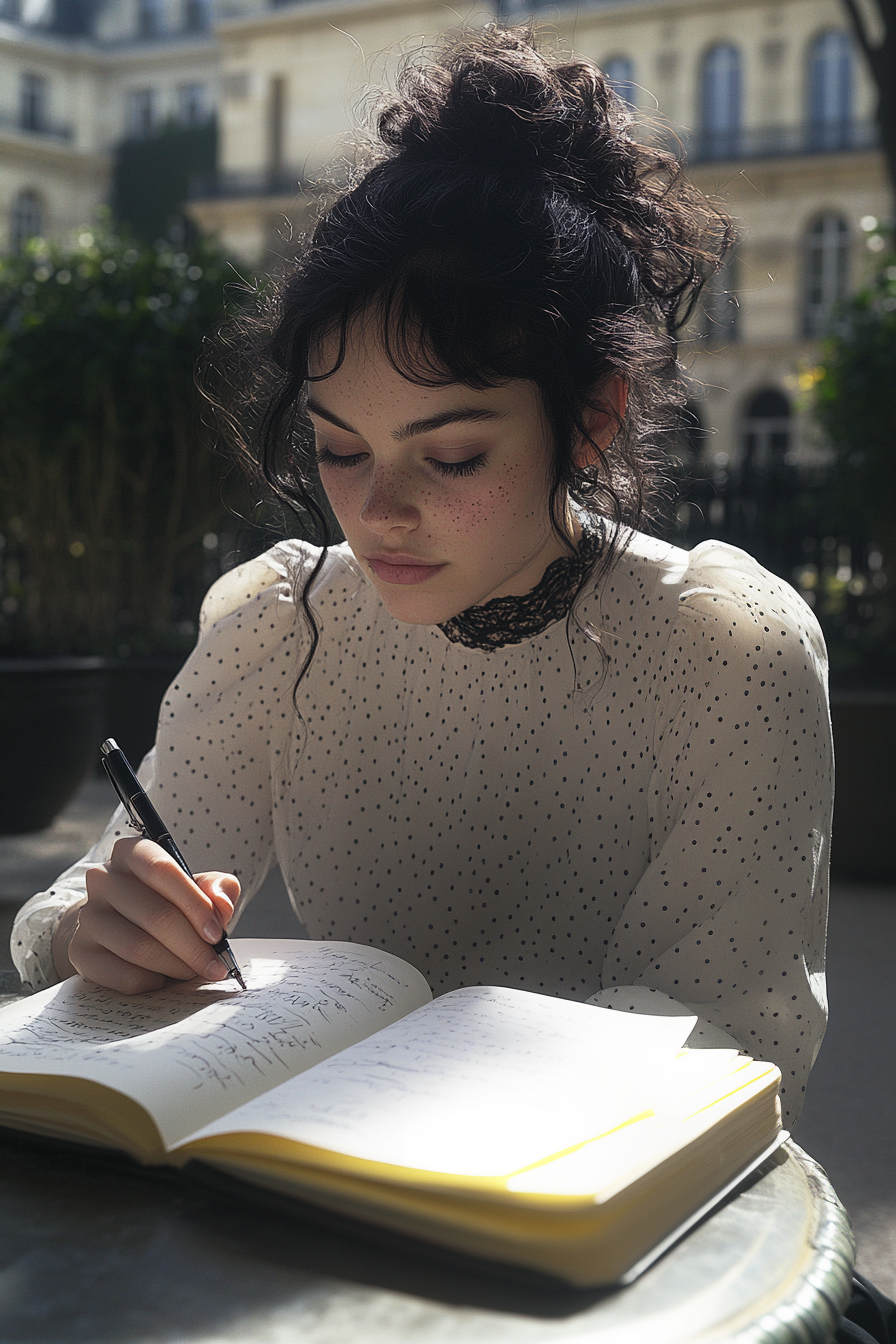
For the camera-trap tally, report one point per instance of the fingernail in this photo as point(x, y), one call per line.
point(212, 931)
point(215, 969)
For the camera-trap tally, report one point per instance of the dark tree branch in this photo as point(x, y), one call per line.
point(859, 27)
point(881, 58)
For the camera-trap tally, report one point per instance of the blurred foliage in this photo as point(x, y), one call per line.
point(854, 392)
point(151, 177)
point(107, 487)
point(855, 396)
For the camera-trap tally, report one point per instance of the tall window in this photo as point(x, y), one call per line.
point(34, 99)
point(830, 91)
point(721, 309)
point(276, 125)
point(196, 15)
point(26, 219)
point(35, 12)
point(149, 17)
point(192, 104)
point(826, 272)
point(720, 112)
point(620, 71)
point(141, 113)
point(766, 434)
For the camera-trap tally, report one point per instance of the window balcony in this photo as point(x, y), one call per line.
point(247, 182)
point(14, 121)
point(771, 142)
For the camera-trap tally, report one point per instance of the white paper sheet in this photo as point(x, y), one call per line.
point(188, 1053)
point(479, 1082)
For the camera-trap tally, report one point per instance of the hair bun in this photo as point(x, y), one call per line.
point(493, 98)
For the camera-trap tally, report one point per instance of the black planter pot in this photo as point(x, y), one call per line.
point(134, 691)
point(51, 722)
point(865, 793)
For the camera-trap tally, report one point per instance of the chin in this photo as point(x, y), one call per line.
point(418, 608)
point(418, 613)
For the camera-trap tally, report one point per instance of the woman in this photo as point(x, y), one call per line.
point(499, 731)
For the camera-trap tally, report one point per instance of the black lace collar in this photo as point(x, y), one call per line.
point(510, 620)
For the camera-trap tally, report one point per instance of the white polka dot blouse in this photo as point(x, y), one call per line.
point(631, 808)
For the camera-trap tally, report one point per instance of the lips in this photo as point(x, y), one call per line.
point(399, 568)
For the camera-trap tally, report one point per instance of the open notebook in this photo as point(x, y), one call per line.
point(520, 1128)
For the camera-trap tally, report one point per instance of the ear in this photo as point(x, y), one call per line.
point(602, 421)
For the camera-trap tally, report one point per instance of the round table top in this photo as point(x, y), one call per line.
point(98, 1249)
point(95, 1250)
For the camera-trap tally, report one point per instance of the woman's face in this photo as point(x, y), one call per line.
point(442, 492)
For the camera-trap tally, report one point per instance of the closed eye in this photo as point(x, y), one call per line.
point(327, 459)
point(467, 468)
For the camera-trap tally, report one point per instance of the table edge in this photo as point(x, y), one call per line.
point(815, 1314)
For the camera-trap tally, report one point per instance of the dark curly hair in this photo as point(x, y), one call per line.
point(512, 225)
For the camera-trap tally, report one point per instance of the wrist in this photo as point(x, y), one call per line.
point(62, 937)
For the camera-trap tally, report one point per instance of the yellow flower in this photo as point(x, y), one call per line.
point(808, 377)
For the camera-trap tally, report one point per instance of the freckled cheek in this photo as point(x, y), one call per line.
point(494, 508)
point(340, 494)
point(510, 514)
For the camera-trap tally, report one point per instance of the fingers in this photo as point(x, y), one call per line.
point(223, 889)
point(136, 864)
point(104, 968)
point(150, 939)
point(145, 921)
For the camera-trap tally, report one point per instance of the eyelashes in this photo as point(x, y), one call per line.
point(468, 468)
point(327, 459)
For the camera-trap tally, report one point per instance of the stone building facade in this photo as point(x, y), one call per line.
point(769, 99)
point(774, 108)
point(77, 77)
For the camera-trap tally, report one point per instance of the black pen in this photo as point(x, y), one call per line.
point(145, 818)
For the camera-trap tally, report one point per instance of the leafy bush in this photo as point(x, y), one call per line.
point(855, 404)
point(107, 489)
point(151, 177)
point(856, 396)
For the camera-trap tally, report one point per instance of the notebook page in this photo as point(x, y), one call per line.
point(191, 1052)
point(480, 1082)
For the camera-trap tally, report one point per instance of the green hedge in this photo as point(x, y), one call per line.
point(106, 486)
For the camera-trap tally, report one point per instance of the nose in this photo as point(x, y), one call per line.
point(390, 502)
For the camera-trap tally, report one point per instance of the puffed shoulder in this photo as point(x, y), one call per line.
point(714, 593)
point(275, 576)
point(722, 583)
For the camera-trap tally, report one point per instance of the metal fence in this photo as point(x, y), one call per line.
point(792, 521)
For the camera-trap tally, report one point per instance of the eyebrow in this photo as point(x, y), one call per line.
point(460, 415)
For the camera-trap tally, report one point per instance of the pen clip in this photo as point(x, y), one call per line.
point(126, 802)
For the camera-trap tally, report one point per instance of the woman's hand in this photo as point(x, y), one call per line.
point(145, 921)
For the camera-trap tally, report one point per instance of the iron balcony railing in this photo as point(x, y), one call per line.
point(768, 142)
point(700, 147)
point(246, 182)
point(13, 121)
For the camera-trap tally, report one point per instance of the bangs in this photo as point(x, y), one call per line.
point(478, 279)
point(444, 317)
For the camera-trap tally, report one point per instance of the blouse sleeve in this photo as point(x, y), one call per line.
point(209, 774)
point(729, 919)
